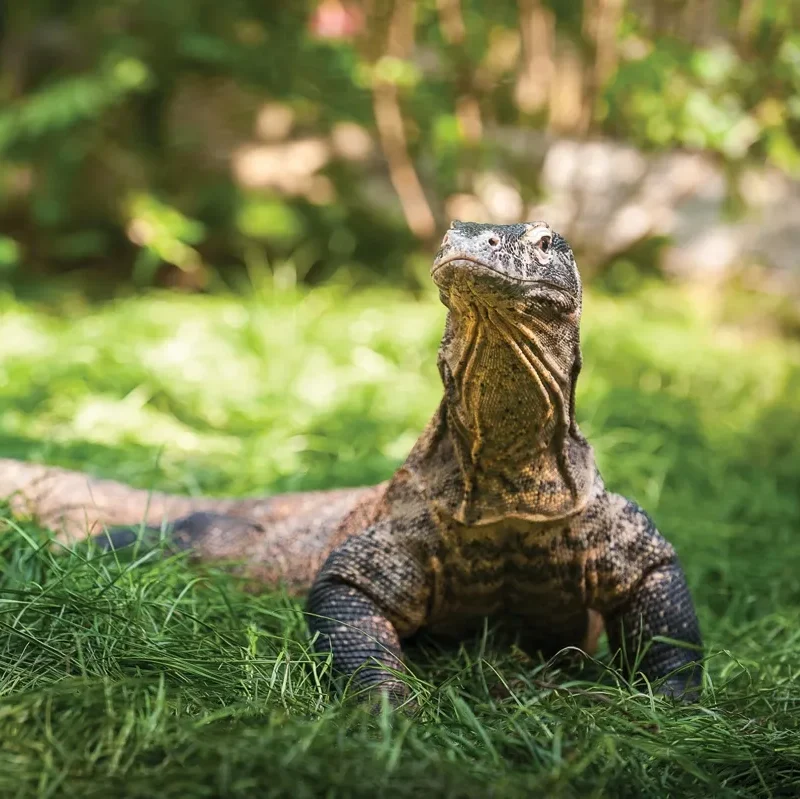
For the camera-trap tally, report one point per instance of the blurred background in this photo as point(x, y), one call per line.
point(259, 187)
point(193, 144)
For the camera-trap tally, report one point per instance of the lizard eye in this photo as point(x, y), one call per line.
point(544, 243)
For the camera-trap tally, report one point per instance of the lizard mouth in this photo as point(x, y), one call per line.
point(462, 261)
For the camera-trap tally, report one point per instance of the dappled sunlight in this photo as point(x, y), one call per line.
point(289, 167)
point(317, 384)
point(221, 379)
point(500, 197)
point(351, 141)
point(21, 334)
point(274, 121)
point(110, 420)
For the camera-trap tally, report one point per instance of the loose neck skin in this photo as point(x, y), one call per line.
point(508, 414)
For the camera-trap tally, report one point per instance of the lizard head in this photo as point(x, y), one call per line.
point(509, 360)
point(503, 265)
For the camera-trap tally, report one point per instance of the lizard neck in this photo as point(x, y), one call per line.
point(505, 442)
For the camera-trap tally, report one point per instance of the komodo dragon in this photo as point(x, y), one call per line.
point(499, 511)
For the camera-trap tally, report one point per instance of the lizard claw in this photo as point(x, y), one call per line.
point(681, 688)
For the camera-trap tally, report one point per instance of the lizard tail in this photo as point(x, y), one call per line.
point(281, 539)
point(76, 506)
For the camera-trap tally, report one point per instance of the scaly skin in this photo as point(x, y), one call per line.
point(499, 510)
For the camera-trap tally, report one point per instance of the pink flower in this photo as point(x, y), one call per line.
point(333, 19)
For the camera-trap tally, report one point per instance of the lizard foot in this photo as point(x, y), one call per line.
point(684, 688)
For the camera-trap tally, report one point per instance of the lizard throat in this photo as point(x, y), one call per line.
point(508, 418)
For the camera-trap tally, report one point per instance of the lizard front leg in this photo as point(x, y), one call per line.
point(370, 593)
point(660, 605)
point(642, 593)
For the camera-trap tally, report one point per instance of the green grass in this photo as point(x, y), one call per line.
point(125, 678)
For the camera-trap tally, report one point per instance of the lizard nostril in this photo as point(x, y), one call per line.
point(494, 241)
point(446, 238)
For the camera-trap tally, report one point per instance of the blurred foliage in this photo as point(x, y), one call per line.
point(144, 141)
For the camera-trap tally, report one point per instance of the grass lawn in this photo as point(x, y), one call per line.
point(153, 678)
